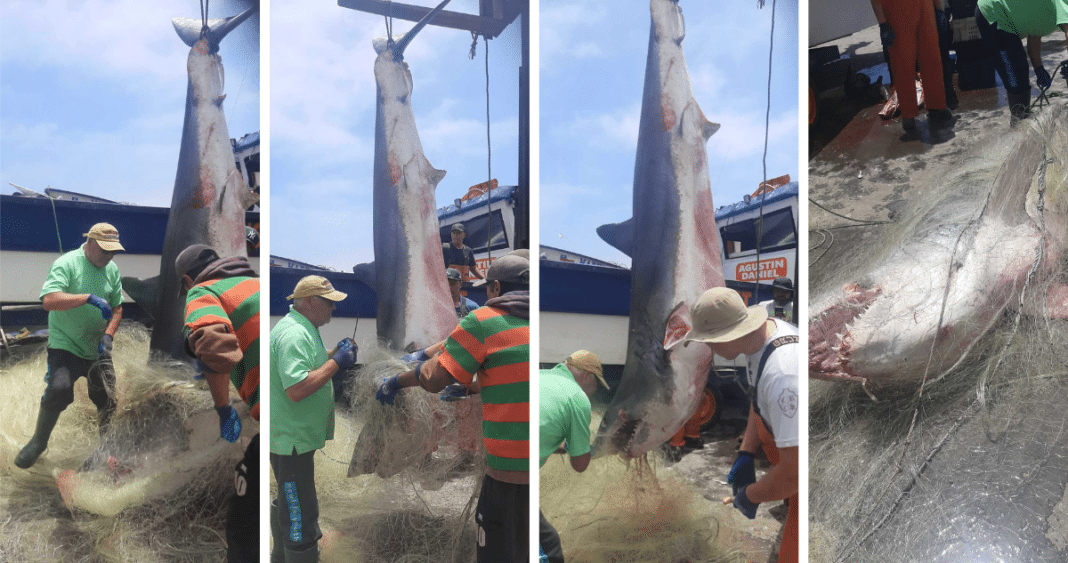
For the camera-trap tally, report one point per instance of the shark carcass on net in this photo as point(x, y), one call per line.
point(981, 249)
point(675, 258)
point(210, 197)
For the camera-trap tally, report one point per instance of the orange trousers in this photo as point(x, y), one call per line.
point(916, 37)
point(692, 429)
point(788, 551)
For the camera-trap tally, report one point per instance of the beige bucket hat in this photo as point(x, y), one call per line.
point(588, 362)
point(106, 235)
point(720, 315)
point(316, 286)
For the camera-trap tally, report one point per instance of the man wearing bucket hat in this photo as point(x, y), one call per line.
point(781, 306)
point(721, 320)
point(83, 297)
point(493, 342)
point(458, 255)
point(302, 414)
point(564, 408)
point(222, 330)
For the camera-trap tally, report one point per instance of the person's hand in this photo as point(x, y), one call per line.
point(744, 505)
point(942, 21)
point(99, 303)
point(1043, 78)
point(229, 423)
point(455, 392)
point(1064, 71)
point(346, 354)
point(886, 35)
point(106, 344)
point(417, 356)
point(387, 391)
point(743, 472)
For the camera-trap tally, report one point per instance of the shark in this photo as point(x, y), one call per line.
point(674, 248)
point(210, 198)
point(408, 274)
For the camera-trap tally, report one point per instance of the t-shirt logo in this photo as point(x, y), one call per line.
point(788, 402)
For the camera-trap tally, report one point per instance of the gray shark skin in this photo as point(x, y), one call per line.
point(674, 246)
point(408, 274)
point(210, 198)
point(958, 266)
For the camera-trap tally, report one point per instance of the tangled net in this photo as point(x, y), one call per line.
point(977, 463)
point(162, 497)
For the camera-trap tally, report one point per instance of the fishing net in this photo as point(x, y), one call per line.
point(154, 488)
point(974, 467)
point(399, 483)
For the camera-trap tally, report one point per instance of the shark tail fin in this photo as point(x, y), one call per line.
point(188, 29)
point(619, 235)
point(145, 292)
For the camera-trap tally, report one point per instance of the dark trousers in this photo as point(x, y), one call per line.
point(550, 541)
point(243, 516)
point(64, 368)
point(1010, 58)
point(502, 515)
point(297, 506)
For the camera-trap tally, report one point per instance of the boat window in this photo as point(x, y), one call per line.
point(740, 238)
point(476, 233)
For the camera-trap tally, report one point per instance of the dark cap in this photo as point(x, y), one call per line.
point(459, 227)
point(193, 257)
point(783, 283)
point(452, 274)
point(509, 268)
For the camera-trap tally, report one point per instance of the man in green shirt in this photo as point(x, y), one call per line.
point(564, 394)
point(83, 297)
point(302, 415)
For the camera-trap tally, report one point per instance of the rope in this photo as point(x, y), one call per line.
point(858, 221)
point(55, 218)
point(1042, 99)
point(767, 127)
point(489, 161)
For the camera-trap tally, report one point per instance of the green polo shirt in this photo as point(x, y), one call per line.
point(296, 349)
point(78, 330)
point(563, 413)
point(1025, 17)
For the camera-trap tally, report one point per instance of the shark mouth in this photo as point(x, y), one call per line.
point(830, 340)
point(621, 440)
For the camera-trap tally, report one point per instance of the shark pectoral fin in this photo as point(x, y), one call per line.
point(365, 273)
point(619, 235)
point(144, 292)
point(678, 325)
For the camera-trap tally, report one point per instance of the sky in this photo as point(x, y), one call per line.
point(592, 72)
point(93, 94)
point(323, 119)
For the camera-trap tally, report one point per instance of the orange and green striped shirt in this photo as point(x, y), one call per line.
point(234, 302)
point(496, 345)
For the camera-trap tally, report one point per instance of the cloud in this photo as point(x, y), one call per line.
point(741, 135)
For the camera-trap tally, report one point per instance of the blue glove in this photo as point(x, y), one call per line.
point(99, 303)
point(346, 354)
point(942, 21)
point(387, 391)
point(886, 35)
point(743, 472)
point(229, 423)
point(417, 356)
point(1064, 70)
point(1043, 78)
point(455, 392)
point(744, 505)
point(106, 344)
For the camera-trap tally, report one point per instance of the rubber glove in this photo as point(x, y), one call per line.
point(743, 472)
point(1064, 71)
point(1043, 78)
point(346, 354)
point(229, 423)
point(942, 21)
point(99, 303)
point(387, 391)
point(201, 368)
point(417, 356)
point(106, 344)
point(455, 392)
point(744, 505)
point(886, 35)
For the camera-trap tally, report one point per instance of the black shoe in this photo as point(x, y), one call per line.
point(46, 421)
point(939, 118)
point(908, 123)
point(694, 444)
point(951, 99)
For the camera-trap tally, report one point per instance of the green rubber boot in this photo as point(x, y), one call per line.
point(46, 421)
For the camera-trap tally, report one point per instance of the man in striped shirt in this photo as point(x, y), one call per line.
point(494, 343)
point(222, 328)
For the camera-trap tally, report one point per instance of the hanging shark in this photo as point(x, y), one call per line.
point(674, 248)
point(987, 246)
point(210, 198)
point(408, 274)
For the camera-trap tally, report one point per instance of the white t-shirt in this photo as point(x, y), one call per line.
point(777, 397)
